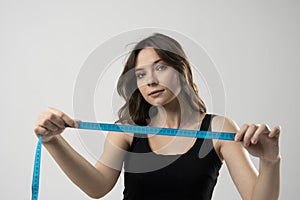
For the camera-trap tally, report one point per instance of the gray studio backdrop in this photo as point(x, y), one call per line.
point(254, 46)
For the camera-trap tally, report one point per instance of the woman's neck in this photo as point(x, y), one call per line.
point(174, 115)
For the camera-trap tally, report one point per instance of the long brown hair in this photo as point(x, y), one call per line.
point(136, 108)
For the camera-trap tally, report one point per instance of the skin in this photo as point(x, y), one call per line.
point(96, 181)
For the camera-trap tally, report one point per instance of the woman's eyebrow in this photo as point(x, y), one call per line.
point(157, 61)
point(138, 68)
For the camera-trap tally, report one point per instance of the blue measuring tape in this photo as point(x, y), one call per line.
point(130, 129)
point(36, 170)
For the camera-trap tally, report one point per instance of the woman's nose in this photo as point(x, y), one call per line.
point(152, 79)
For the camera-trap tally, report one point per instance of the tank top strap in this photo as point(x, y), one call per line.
point(204, 147)
point(205, 125)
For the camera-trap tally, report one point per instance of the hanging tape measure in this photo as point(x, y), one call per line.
point(130, 129)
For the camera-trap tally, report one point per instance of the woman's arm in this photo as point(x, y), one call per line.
point(95, 181)
point(268, 183)
point(259, 141)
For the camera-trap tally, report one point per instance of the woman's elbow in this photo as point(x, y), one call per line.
point(95, 195)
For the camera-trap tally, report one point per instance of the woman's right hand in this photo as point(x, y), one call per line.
point(51, 123)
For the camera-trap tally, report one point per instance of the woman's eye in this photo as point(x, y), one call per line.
point(140, 75)
point(161, 67)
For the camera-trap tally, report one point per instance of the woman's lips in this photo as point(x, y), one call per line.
point(156, 93)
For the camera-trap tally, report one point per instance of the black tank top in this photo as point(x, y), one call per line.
point(188, 176)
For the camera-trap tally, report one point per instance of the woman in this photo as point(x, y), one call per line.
point(159, 90)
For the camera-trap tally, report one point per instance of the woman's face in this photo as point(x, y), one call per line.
point(157, 82)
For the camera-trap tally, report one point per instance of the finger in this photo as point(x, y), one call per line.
point(55, 119)
point(77, 122)
point(39, 130)
point(46, 124)
point(263, 128)
point(275, 132)
point(249, 133)
point(240, 134)
point(49, 125)
point(66, 119)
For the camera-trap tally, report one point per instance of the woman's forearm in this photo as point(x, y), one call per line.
point(79, 170)
point(268, 182)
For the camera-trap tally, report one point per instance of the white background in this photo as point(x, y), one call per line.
point(43, 45)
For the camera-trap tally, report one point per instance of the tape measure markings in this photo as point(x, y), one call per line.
point(156, 130)
point(36, 170)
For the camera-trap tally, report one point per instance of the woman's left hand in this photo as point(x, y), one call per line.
point(260, 141)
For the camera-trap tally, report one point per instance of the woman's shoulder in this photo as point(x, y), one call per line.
point(222, 123)
point(126, 136)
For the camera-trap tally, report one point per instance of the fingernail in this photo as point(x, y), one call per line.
point(254, 141)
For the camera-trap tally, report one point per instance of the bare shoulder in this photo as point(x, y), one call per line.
point(224, 124)
point(124, 139)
